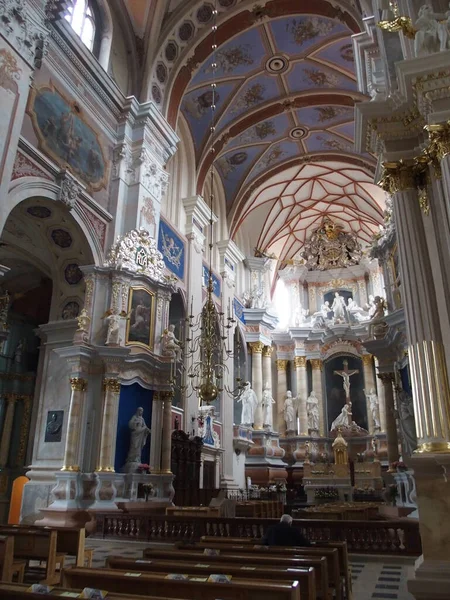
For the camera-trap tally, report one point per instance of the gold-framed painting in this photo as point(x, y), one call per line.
point(141, 318)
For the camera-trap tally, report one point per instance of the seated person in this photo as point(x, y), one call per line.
point(283, 534)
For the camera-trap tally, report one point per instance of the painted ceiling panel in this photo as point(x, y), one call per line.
point(338, 53)
point(295, 35)
point(308, 75)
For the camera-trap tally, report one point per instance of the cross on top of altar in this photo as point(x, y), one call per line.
point(346, 374)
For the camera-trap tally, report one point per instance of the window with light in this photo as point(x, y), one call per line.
point(81, 19)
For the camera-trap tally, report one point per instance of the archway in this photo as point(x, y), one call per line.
point(41, 251)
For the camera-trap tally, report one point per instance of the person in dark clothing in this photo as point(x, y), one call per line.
point(283, 534)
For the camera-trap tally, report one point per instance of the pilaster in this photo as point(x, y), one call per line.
point(317, 386)
point(302, 392)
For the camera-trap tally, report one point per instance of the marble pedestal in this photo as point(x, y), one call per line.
point(319, 476)
point(406, 486)
point(264, 464)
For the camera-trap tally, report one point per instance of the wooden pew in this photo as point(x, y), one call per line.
point(318, 563)
point(305, 576)
point(331, 554)
point(36, 544)
point(344, 564)
point(19, 591)
point(123, 582)
point(8, 566)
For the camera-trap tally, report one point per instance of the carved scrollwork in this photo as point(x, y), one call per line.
point(329, 247)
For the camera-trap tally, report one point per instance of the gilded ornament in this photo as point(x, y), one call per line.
point(316, 364)
point(329, 247)
point(256, 347)
point(300, 361)
point(78, 384)
point(267, 351)
point(111, 385)
point(367, 360)
point(281, 364)
point(386, 377)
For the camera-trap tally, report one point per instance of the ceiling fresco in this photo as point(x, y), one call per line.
point(285, 95)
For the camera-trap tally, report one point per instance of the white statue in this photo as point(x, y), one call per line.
point(170, 346)
point(374, 407)
point(84, 321)
point(249, 404)
point(300, 316)
point(113, 335)
point(407, 422)
point(289, 411)
point(428, 35)
point(342, 419)
point(356, 311)
point(339, 309)
point(267, 401)
point(370, 306)
point(444, 32)
point(139, 434)
point(379, 308)
point(324, 310)
point(312, 409)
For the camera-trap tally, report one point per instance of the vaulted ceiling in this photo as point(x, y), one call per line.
point(286, 88)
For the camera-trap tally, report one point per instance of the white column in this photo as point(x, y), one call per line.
point(156, 435)
point(71, 451)
point(111, 391)
point(302, 392)
point(280, 424)
point(267, 371)
point(381, 401)
point(387, 380)
point(369, 384)
point(257, 380)
point(166, 449)
point(317, 386)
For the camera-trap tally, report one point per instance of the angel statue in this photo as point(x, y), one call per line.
point(113, 334)
point(170, 346)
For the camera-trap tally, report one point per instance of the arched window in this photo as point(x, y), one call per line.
point(82, 20)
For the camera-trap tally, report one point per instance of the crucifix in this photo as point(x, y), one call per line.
point(346, 374)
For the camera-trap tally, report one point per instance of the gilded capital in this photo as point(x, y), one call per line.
point(397, 177)
point(316, 364)
point(111, 385)
point(267, 351)
point(256, 347)
point(439, 135)
point(385, 377)
point(78, 384)
point(367, 360)
point(166, 395)
point(10, 398)
point(282, 364)
point(299, 361)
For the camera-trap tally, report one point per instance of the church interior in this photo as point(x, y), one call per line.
point(224, 298)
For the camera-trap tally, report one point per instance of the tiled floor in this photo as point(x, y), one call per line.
point(373, 579)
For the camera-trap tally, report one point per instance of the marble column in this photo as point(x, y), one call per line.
point(381, 401)
point(156, 435)
point(280, 424)
point(387, 380)
point(111, 393)
point(257, 381)
point(431, 391)
point(166, 449)
point(302, 392)
point(267, 371)
point(317, 386)
point(7, 428)
point(369, 384)
point(71, 450)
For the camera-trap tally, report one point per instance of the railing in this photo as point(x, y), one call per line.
point(370, 537)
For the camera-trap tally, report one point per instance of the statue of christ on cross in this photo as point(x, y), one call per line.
point(346, 374)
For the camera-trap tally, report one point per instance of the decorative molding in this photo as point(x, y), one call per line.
point(70, 189)
point(98, 225)
point(24, 167)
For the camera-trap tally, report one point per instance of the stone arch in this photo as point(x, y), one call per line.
point(35, 187)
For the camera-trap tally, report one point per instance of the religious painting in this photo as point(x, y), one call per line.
point(172, 247)
point(141, 317)
point(54, 425)
point(338, 386)
point(64, 135)
point(217, 288)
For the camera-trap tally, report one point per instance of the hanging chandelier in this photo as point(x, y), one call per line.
point(208, 345)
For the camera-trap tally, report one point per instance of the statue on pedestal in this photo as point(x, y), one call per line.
point(312, 409)
point(249, 404)
point(289, 412)
point(339, 309)
point(267, 401)
point(113, 334)
point(407, 422)
point(429, 34)
point(374, 407)
point(170, 346)
point(139, 434)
